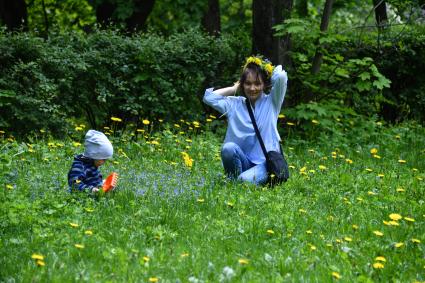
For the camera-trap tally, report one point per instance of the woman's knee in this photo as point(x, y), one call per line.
point(228, 150)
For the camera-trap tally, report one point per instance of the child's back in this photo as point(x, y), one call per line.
point(84, 174)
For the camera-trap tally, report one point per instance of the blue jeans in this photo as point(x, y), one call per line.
point(237, 166)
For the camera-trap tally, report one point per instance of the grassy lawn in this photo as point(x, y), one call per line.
point(350, 212)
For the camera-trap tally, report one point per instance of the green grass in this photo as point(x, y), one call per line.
point(168, 222)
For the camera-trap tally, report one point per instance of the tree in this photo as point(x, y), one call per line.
point(141, 12)
point(318, 57)
point(301, 8)
point(13, 14)
point(132, 13)
point(266, 14)
point(381, 17)
point(211, 18)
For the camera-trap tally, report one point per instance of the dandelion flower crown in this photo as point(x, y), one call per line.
point(264, 64)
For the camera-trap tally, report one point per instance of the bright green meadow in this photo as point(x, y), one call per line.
point(352, 211)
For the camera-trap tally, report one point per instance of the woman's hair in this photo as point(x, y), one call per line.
point(258, 73)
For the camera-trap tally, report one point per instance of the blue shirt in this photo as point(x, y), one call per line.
point(240, 129)
point(84, 175)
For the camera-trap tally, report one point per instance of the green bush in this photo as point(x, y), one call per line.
point(103, 74)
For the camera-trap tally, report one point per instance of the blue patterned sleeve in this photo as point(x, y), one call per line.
point(76, 177)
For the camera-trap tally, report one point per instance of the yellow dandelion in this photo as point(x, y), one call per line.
point(153, 279)
point(146, 122)
point(200, 200)
point(401, 161)
point(37, 256)
point(374, 151)
point(270, 232)
point(213, 117)
point(322, 167)
point(309, 232)
point(313, 247)
point(395, 216)
point(281, 116)
point(208, 120)
point(76, 144)
point(302, 210)
point(378, 265)
point(416, 241)
point(89, 209)
point(348, 239)
point(380, 258)
point(336, 275)
point(315, 122)
point(369, 170)
point(9, 187)
point(400, 190)
point(146, 258)
point(88, 232)
point(355, 227)
point(155, 142)
point(392, 223)
point(74, 225)
point(397, 137)
point(79, 246)
point(398, 245)
point(290, 124)
point(116, 119)
point(377, 156)
point(269, 68)
point(243, 261)
point(40, 263)
point(371, 193)
point(349, 161)
point(78, 128)
point(378, 233)
point(409, 219)
point(380, 175)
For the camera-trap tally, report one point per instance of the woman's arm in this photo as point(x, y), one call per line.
point(228, 91)
point(279, 84)
point(218, 99)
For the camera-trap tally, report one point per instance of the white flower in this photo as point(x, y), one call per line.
point(227, 274)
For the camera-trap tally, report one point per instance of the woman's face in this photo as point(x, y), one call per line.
point(253, 87)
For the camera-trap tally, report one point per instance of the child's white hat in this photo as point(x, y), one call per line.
point(97, 146)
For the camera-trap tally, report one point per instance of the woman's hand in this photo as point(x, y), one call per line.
point(236, 87)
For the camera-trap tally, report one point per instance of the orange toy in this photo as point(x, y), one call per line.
point(110, 182)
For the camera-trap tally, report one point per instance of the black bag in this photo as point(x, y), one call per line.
point(277, 167)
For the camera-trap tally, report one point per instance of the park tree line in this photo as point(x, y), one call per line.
point(133, 16)
point(343, 57)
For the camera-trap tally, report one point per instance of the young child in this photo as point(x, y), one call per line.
point(84, 174)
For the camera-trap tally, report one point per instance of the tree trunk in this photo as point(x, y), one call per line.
point(142, 10)
point(211, 19)
point(302, 8)
point(317, 61)
point(13, 14)
point(380, 8)
point(266, 14)
point(287, 43)
point(104, 12)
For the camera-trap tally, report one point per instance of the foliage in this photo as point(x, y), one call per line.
point(106, 74)
point(63, 15)
point(167, 220)
point(359, 69)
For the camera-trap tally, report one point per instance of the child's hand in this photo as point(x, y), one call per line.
point(95, 190)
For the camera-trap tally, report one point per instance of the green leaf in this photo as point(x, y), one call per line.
point(363, 85)
point(342, 72)
point(382, 82)
point(364, 76)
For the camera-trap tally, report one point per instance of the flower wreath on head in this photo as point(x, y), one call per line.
point(264, 64)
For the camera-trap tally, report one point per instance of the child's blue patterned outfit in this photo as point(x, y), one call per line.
point(84, 175)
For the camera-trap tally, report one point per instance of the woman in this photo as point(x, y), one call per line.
point(241, 153)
